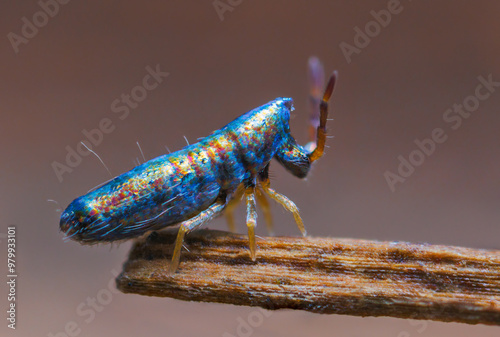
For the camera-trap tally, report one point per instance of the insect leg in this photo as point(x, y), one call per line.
point(251, 219)
point(186, 226)
point(288, 204)
point(266, 209)
point(231, 205)
point(321, 130)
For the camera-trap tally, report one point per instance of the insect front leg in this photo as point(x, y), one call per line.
point(235, 201)
point(288, 204)
point(186, 226)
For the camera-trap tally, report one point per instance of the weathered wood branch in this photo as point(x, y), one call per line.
point(322, 275)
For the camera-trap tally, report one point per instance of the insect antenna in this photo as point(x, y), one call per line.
point(321, 130)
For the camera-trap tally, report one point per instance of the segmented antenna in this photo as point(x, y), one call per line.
point(323, 116)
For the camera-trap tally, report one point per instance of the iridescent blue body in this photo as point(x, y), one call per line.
point(191, 186)
point(174, 187)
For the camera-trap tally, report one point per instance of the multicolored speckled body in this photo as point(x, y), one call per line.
point(174, 187)
point(191, 186)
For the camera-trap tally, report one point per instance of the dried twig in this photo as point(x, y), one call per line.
point(342, 276)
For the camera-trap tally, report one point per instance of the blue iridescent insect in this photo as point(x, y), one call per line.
point(193, 185)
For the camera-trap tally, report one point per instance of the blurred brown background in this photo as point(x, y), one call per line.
point(395, 90)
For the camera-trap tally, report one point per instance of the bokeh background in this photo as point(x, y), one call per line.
point(395, 90)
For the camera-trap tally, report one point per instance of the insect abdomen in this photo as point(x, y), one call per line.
point(159, 193)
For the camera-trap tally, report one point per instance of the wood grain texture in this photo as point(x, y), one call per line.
point(322, 275)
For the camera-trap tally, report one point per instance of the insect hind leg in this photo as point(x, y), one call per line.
point(188, 225)
point(231, 205)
